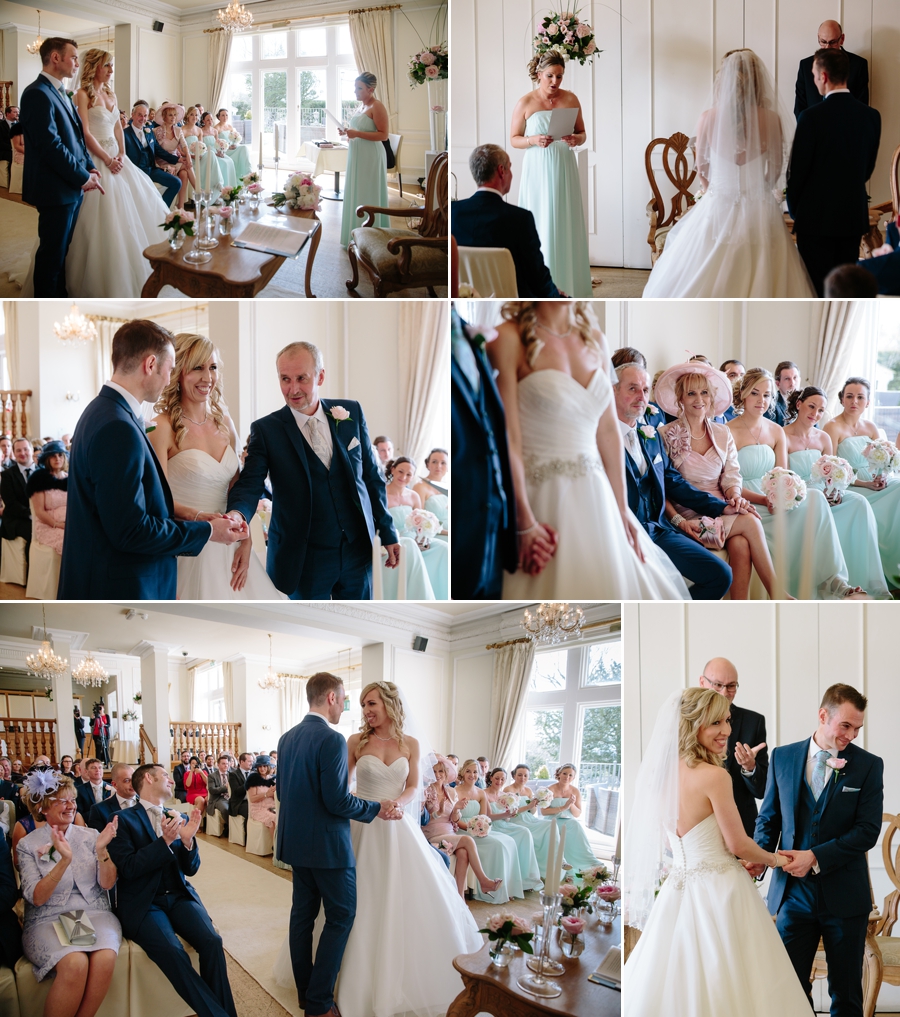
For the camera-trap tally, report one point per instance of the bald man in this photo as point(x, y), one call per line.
point(748, 759)
point(831, 36)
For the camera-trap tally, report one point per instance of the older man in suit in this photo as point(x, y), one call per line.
point(806, 94)
point(142, 149)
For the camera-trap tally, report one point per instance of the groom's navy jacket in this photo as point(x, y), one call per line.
point(314, 795)
point(839, 829)
point(119, 511)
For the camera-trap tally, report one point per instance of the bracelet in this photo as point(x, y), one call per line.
point(106, 859)
point(677, 519)
point(521, 533)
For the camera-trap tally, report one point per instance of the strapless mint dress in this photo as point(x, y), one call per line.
point(540, 834)
point(366, 179)
point(499, 859)
point(577, 851)
point(528, 863)
point(885, 506)
point(436, 557)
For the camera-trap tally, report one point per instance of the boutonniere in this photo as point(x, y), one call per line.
point(837, 764)
point(647, 431)
point(479, 335)
point(338, 413)
point(49, 853)
point(148, 130)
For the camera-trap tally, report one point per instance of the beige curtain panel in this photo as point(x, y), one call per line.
point(373, 50)
point(228, 690)
point(837, 332)
point(11, 317)
point(105, 332)
point(293, 704)
point(219, 52)
point(424, 357)
point(512, 674)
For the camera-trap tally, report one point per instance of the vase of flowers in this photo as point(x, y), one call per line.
point(300, 192)
point(180, 223)
point(568, 35)
point(254, 191)
point(569, 935)
point(606, 902)
point(226, 219)
point(504, 930)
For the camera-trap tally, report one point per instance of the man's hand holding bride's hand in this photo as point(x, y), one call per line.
point(227, 529)
point(93, 183)
point(632, 532)
point(755, 869)
point(799, 862)
point(390, 810)
point(537, 545)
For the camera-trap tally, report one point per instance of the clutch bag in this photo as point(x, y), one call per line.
point(78, 928)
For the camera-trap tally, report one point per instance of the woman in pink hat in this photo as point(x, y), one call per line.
point(171, 138)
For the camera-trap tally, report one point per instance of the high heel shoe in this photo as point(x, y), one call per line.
point(490, 893)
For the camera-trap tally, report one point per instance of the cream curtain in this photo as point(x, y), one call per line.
point(373, 50)
point(837, 333)
point(219, 52)
point(191, 686)
point(293, 703)
point(512, 674)
point(105, 332)
point(228, 688)
point(424, 360)
point(11, 317)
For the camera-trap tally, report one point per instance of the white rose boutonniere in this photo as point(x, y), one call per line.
point(338, 413)
point(647, 431)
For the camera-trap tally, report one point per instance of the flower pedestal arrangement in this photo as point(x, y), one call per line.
point(432, 67)
point(571, 940)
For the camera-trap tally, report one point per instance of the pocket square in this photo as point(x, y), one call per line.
point(853, 789)
point(658, 458)
point(354, 442)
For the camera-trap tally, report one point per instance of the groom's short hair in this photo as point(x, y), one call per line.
point(55, 45)
point(835, 63)
point(310, 348)
point(135, 341)
point(318, 687)
point(835, 695)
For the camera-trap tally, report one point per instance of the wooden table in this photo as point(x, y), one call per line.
point(495, 990)
point(232, 271)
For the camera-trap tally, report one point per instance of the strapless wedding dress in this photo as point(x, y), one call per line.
point(197, 480)
point(410, 920)
point(568, 489)
point(710, 947)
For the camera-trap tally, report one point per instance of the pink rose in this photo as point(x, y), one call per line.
point(432, 72)
point(591, 47)
point(827, 469)
point(835, 763)
point(339, 413)
point(568, 890)
point(583, 30)
point(609, 892)
point(496, 922)
point(574, 926)
point(427, 59)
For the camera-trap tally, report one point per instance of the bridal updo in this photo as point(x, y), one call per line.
point(190, 352)
point(393, 707)
point(91, 62)
point(524, 315)
point(743, 385)
point(699, 709)
point(541, 61)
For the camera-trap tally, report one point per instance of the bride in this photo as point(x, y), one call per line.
point(195, 441)
point(734, 242)
point(708, 928)
point(577, 537)
point(410, 921)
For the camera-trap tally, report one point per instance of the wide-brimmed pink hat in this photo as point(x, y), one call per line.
point(664, 392)
point(179, 110)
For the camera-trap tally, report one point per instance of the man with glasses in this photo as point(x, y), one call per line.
point(747, 760)
point(831, 36)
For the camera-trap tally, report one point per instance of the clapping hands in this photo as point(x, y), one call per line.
point(109, 831)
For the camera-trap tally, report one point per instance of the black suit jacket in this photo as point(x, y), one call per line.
point(5, 143)
point(16, 507)
point(84, 800)
point(486, 220)
point(10, 930)
point(833, 156)
point(178, 776)
point(10, 792)
point(237, 781)
point(750, 729)
point(806, 94)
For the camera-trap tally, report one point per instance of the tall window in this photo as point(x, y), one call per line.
point(209, 694)
point(876, 357)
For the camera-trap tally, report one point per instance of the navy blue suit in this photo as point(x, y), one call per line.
point(57, 166)
point(156, 905)
point(313, 837)
point(85, 801)
point(647, 500)
point(145, 159)
point(323, 520)
point(839, 829)
point(486, 220)
point(101, 813)
point(10, 930)
point(120, 505)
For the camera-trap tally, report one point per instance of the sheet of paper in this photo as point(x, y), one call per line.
point(562, 122)
point(334, 119)
point(287, 242)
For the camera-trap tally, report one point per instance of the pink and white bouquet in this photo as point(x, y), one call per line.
point(426, 526)
point(480, 826)
point(836, 473)
point(567, 35)
point(544, 796)
point(574, 897)
point(300, 191)
point(783, 488)
point(593, 876)
point(230, 194)
point(505, 926)
point(509, 800)
point(882, 456)
point(179, 220)
point(432, 64)
point(250, 178)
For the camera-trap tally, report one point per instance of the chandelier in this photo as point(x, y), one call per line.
point(270, 680)
point(45, 664)
point(552, 623)
point(75, 328)
point(89, 673)
point(235, 17)
point(34, 47)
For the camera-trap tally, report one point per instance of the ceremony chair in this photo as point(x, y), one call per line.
point(32, 994)
point(215, 824)
point(9, 997)
point(875, 238)
point(13, 564)
point(43, 572)
point(400, 259)
point(491, 271)
point(8, 813)
point(259, 838)
point(663, 215)
point(150, 993)
point(236, 833)
point(16, 170)
point(396, 142)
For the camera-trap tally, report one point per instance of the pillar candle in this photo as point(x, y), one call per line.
point(551, 858)
point(560, 858)
point(276, 141)
point(209, 155)
point(260, 147)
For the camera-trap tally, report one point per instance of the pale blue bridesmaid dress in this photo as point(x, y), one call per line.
point(550, 189)
point(885, 505)
point(436, 557)
point(540, 834)
point(499, 859)
point(366, 179)
point(439, 505)
point(528, 863)
point(418, 585)
point(224, 166)
point(577, 850)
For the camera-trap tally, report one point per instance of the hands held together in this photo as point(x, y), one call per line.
point(390, 810)
point(537, 545)
point(794, 863)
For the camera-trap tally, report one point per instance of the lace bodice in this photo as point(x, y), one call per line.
point(102, 123)
point(377, 781)
point(700, 851)
point(199, 481)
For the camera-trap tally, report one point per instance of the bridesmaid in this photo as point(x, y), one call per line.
point(171, 138)
point(501, 818)
point(221, 164)
point(850, 433)
point(402, 502)
point(852, 514)
point(526, 815)
point(236, 152)
point(567, 806)
point(366, 180)
point(435, 498)
point(550, 188)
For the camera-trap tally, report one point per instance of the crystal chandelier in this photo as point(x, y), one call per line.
point(75, 328)
point(89, 673)
point(270, 680)
point(45, 664)
point(235, 17)
point(552, 623)
point(34, 47)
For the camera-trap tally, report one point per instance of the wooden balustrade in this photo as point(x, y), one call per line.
point(14, 411)
point(26, 738)
point(145, 740)
point(201, 737)
point(5, 94)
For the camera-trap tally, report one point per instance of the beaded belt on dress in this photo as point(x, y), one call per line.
point(539, 470)
point(683, 873)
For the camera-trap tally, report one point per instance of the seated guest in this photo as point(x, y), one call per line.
point(653, 415)
point(142, 149)
point(261, 792)
point(733, 370)
point(17, 771)
point(195, 784)
point(46, 491)
point(5, 146)
point(486, 220)
point(76, 880)
point(65, 766)
point(868, 278)
point(77, 768)
point(16, 519)
point(434, 495)
point(384, 448)
point(10, 931)
point(237, 781)
point(178, 775)
point(124, 798)
point(219, 789)
point(787, 381)
point(94, 790)
point(153, 851)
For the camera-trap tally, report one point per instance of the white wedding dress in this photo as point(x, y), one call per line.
point(710, 947)
point(410, 920)
point(196, 479)
point(569, 490)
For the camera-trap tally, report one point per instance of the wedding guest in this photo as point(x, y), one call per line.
point(6, 456)
point(483, 767)
point(10, 930)
point(46, 491)
point(77, 881)
point(16, 520)
point(733, 370)
point(550, 187)
point(195, 784)
point(830, 36)
point(124, 798)
point(65, 766)
point(79, 728)
point(5, 147)
point(566, 806)
point(850, 282)
point(486, 220)
point(526, 815)
point(787, 380)
point(171, 138)
point(221, 171)
point(17, 771)
point(222, 121)
point(237, 782)
point(366, 180)
point(178, 775)
point(219, 788)
point(384, 449)
point(151, 118)
point(435, 496)
point(261, 791)
point(209, 763)
point(500, 816)
point(142, 149)
point(403, 505)
point(95, 789)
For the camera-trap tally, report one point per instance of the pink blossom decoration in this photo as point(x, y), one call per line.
point(590, 48)
point(835, 763)
point(426, 58)
point(432, 71)
point(583, 30)
point(574, 926)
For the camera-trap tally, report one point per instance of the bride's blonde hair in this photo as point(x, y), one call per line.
point(699, 709)
point(523, 314)
point(91, 62)
point(191, 351)
point(393, 707)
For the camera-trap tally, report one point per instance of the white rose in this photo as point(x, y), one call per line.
point(339, 413)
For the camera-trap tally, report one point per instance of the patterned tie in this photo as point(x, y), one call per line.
point(634, 449)
point(819, 780)
point(317, 442)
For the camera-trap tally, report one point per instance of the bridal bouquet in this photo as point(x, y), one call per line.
point(544, 796)
point(882, 457)
point(836, 474)
point(432, 64)
point(509, 800)
point(299, 192)
point(783, 488)
point(480, 826)
point(505, 926)
point(567, 35)
point(426, 525)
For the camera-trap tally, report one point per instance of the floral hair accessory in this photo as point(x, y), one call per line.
point(40, 783)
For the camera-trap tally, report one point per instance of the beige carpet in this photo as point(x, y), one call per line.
point(18, 233)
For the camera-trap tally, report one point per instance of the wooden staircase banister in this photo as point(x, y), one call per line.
point(145, 740)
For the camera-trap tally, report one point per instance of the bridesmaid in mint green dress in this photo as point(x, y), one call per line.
point(366, 179)
point(851, 433)
point(402, 502)
point(435, 498)
point(549, 186)
point(236, 152)
point(500, 823)
point(220, 163)
point(853, 516)
point(527, 816)
point(567, 806)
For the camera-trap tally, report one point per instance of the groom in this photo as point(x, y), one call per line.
point(328, 497)
point(57, 167)
point(824, 800)
point(313, 837)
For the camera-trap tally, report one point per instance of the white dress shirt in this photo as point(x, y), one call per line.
point(324, 426)
point(55, 82)
point(126, 803)
point(492, 190)
point(97, 790)
point(134, 404)
point(636, 453)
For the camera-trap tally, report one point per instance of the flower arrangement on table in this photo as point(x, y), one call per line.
point(223, 211)
point(576, 896)
point(179, 221)
point(432, 64)
point(300, 191)
point(231, 194)
point(480, 826)
point(426, 526)
point(882, 456)
point(567, 35)
point(505, 927)
point(783, 488)
point(835, 473)
point(251, 178)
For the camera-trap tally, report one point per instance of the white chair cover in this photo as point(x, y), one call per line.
point(150, 993)
point(259, 838)
point(13, 567)
point(4, 172)
point(236, 833)
point(15, 177)
point(215, 824)
point(33, 994)
point(9, 998)
point(490, 270)
point(43, 572)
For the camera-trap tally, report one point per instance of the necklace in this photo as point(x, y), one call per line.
point(556, 335)
point(199, 423)
point(696, 437)
point(378, 736)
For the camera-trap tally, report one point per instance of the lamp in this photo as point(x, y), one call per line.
point(89, 673)
point(553, 623)
point(34, 47)
point(235, 18)
point(270, 680)
point(75, 329)
point(45, 664)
